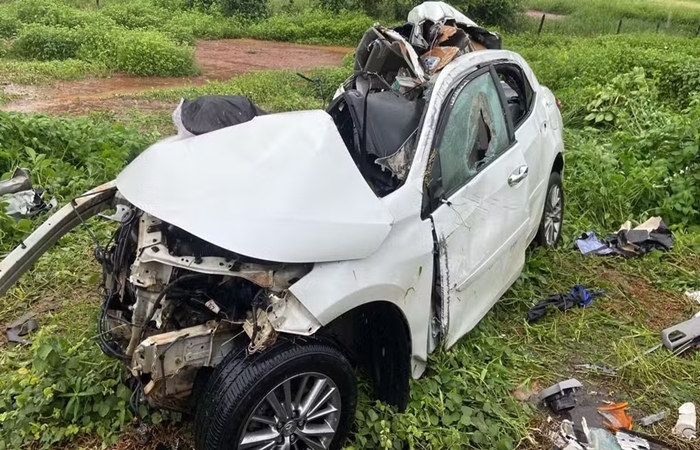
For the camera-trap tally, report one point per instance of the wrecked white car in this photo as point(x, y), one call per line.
point(256, 266)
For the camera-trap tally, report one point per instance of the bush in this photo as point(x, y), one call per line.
point(318, 27)
point(251, 9)
point(149, 53)
point(206, 26)
point(69, 388)
point(51, 12)
point(8, 23)
point(137, 15)
point(44, 43)
point(501, 13)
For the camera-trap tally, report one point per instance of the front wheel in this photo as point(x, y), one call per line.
point(549, 232)
point(291, 397)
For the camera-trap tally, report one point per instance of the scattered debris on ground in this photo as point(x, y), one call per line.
point(578, 297)
point(687, 422)
point(627, 241)
point(17, 330)
point(21, 200)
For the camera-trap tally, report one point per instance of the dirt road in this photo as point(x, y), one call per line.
point(219, 60)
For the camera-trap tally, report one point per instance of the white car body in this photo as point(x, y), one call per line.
point(311, 204)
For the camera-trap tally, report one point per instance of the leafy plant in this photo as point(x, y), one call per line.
point(251, 9)
point(68, 388)
point(42, 42)
point(148, 53)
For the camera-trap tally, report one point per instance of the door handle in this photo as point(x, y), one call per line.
point(519, 175)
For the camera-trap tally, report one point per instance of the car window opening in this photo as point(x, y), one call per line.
point(517, 91)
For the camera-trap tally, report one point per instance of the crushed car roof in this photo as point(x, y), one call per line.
point(281, 187)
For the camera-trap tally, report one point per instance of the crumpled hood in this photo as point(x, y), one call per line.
point(281, 187)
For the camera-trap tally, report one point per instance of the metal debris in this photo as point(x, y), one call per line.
point(652, 419)
point(22, 327)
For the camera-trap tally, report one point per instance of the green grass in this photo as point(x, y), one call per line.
point(681, 17)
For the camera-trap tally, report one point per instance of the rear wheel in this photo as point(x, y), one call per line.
point(291, 397)
point(549, 232)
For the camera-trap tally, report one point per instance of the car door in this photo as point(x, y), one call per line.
point(478, 195)
point(529, 125)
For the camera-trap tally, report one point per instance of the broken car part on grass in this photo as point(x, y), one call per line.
point(255, 266)
point(676, 338)
point(586, 427)
point(628, 242)
point(21, 200)
point(20, 328)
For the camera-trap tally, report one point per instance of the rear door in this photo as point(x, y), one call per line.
point(478, 194)
point(529, 124)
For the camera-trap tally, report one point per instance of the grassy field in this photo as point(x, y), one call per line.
point(631, 111)
point(602, 17)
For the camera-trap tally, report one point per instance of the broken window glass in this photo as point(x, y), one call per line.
point(475, 132)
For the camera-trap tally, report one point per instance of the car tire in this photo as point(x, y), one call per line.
point(241, 385)
point(549, 232)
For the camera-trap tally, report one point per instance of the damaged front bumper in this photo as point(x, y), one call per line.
point(162, 343)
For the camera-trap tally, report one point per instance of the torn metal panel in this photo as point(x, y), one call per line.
point(288, 315)
point(63, 221)
point(433, 12)
point(438, 57)
point(21, 327)
point(154, 252)
point(20, 181)
point(167, 354)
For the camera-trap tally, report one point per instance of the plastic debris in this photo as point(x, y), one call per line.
point(603, 370)
point(20, 199)
point(693, 295)
point(616, 416)
point(19, 181)
point(22, 327)
point(559, 396)
point(589, 243)
point(652, 419)
point(601, 439)
point(685, 427)
point(628, 242)
point(629, 442)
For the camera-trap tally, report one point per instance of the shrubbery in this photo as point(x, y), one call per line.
point(148, 53)
point(69, 388)
point(313, 27)
point(137, 14)
point(136, 52)
point(501, 13)
point(45, 43)
point(251, 9)
point(9, 24)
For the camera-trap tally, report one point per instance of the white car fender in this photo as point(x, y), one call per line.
point(400, 272)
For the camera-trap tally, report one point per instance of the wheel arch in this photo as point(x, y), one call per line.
point(558, 165)
point(377, 338)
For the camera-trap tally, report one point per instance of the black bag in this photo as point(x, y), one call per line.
point(213, 112)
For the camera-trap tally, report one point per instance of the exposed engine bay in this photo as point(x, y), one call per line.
point(174, 303)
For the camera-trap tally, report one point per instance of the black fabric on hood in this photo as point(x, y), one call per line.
point(213, 112)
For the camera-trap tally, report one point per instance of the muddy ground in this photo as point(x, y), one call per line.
point(219, 60)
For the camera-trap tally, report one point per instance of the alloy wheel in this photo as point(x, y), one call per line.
point(302, 412)
point(553, 215)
